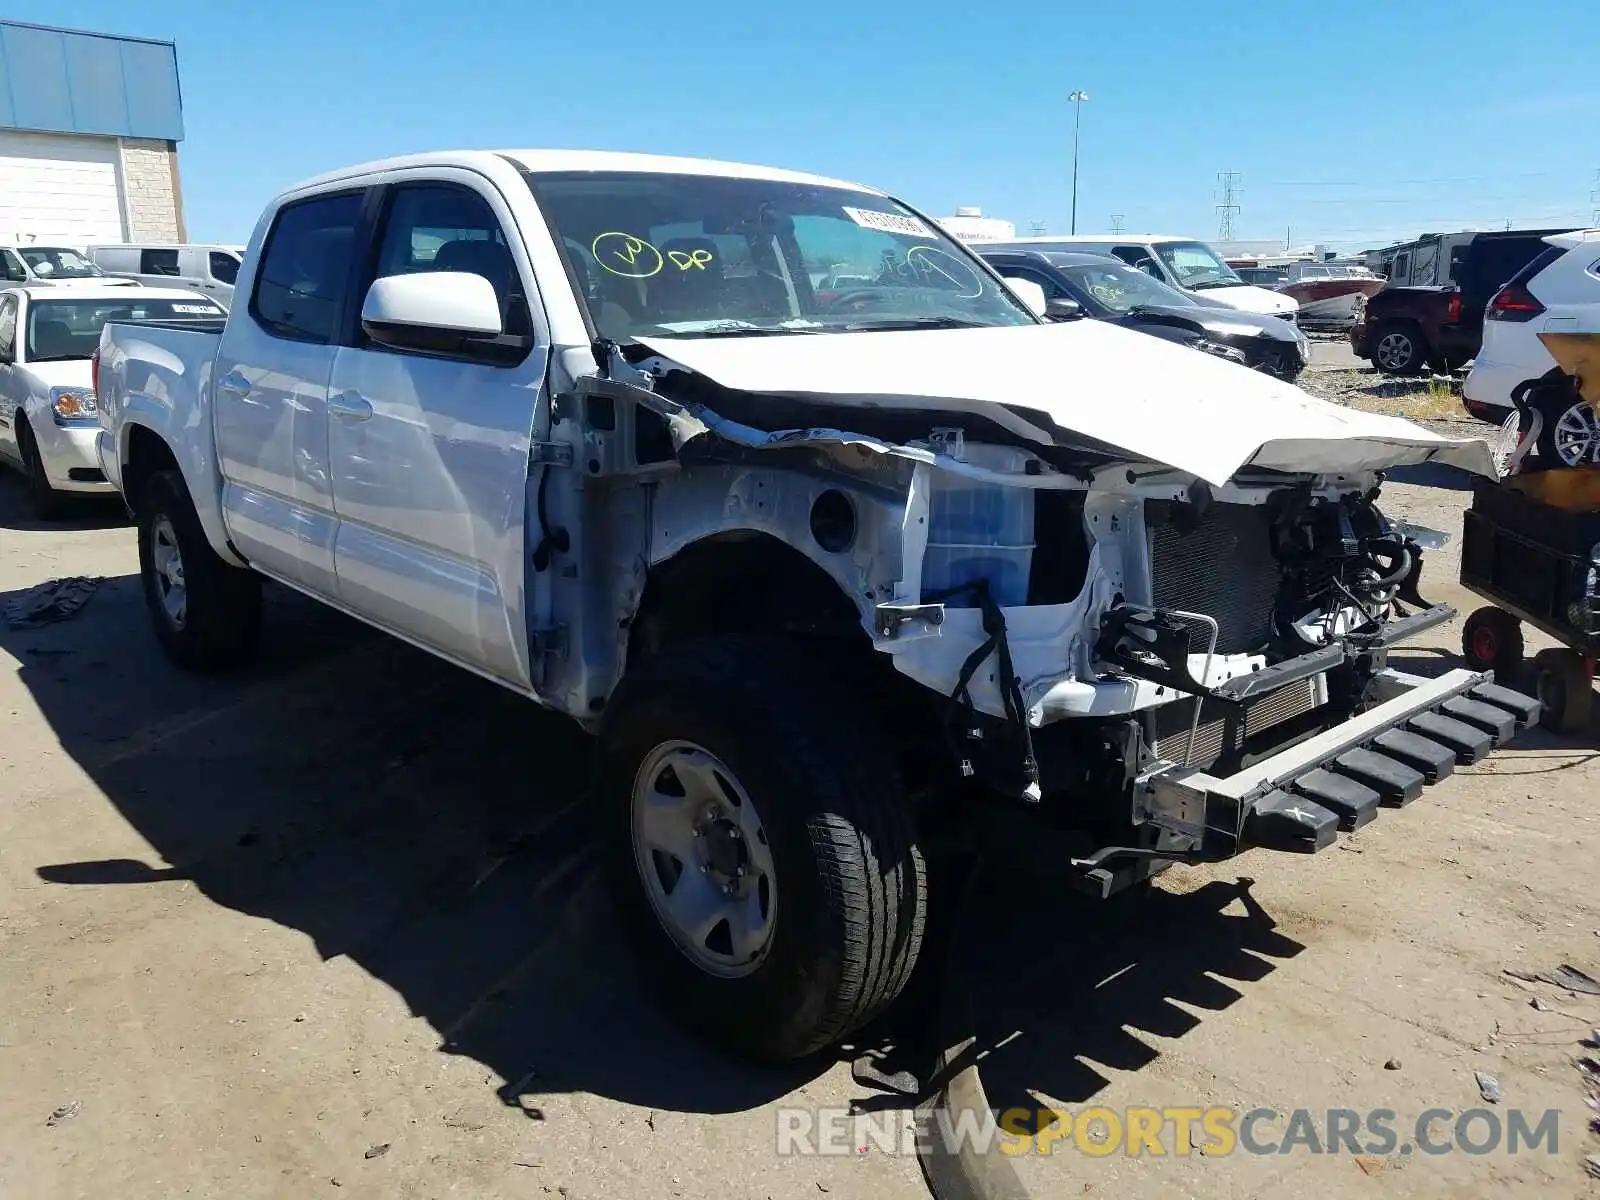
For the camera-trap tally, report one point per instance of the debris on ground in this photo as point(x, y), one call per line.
point(65, 1113)
point(1564, 976)
point(377, 1151)
point(1593, 1164)
point(1539, 1005)
point(1488, 1086)
point(1392, 1065)
point(51, 601)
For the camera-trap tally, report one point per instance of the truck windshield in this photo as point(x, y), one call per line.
point(59, 330)
point(58, 262)
point(1196, 265)
point(664, 255)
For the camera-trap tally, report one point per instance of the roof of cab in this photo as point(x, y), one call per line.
point(548, 161)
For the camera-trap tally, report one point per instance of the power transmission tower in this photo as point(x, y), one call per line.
point(1594, 199)
point(1116, 222)
point(1037, 228)
point(1232, 183)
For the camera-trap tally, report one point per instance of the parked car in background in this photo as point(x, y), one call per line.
point(1557, 292)
point(1182, 263)
point(1439, 259)
point(49, 264)
point(209, 269)
point(48, 413)
point(1108, 289)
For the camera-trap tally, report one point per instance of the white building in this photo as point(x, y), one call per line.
point(89, 132)
point(970, 225)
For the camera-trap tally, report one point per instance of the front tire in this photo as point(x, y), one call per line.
point(761, 849)
point(47, 503)
point(207, 613)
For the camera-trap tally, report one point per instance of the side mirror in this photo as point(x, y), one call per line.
point(443, 312)
point(1063, 308)
point(1029, 292)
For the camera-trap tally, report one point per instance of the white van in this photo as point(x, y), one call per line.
point(1184, 263)
point(209, 269)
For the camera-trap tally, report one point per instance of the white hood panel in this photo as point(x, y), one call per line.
point(1247, 298)
point(1158, 401)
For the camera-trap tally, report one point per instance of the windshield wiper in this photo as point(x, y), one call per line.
point(741, 329)
point(60, 358)
point(918, 323)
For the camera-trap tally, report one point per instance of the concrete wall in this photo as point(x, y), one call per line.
point(152, 198)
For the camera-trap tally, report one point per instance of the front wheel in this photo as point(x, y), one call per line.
point(48, 504)
point(207, 613)
point(761, 848)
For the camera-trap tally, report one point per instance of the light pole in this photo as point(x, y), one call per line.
point(1077, 99)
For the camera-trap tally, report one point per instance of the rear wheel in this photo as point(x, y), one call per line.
point(207, 613)
point(761, 848)
point(1492, 641)
point(1565, 688)
point(1398, 349)
point(48, 504)
point(1570, 433)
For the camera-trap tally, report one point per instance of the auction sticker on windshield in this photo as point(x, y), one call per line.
point(888, 222)
point(193, 308)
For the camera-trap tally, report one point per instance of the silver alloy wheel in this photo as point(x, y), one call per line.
point(703, 857)
point(1394, 349)
point(1577, 435)
point(167, 560)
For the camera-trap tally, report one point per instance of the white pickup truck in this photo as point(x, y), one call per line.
point(832, 568)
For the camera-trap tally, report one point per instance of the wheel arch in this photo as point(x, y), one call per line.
point(142, 451)
point(743, 580)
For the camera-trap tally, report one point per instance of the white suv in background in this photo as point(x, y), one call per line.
point(1558, 292)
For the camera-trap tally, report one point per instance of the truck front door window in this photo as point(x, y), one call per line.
point(304, 266)
point(687, 255)
point(439, 227)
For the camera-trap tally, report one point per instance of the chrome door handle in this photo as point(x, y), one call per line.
point(349, 404)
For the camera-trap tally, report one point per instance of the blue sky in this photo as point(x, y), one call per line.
point(1352, 124)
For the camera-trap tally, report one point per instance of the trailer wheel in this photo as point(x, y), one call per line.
point(1565, 688)
point(1492, 640)
point(760, 845)
point(207, 613)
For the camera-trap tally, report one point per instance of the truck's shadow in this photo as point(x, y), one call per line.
point(430, 827)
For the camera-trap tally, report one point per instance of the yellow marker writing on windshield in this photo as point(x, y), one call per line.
point(686, 259)
point(626, 255)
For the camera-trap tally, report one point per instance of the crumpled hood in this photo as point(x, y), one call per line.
point(1156, 400)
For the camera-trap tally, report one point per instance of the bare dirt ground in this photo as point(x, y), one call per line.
point(333, 928)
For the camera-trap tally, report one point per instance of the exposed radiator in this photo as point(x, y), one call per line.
point(1223, 727)
point(1223, 568)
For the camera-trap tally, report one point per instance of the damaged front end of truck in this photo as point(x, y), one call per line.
point(1156, 612)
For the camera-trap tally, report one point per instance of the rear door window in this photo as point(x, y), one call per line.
point(158, 262)
point(305, 267)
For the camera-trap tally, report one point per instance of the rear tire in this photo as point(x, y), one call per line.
point(1399, 349)
point(1566, 689)
point(48, 504)
point(774, 740)
point(207, 613)
point(1491, 640)
point(1569, 433)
